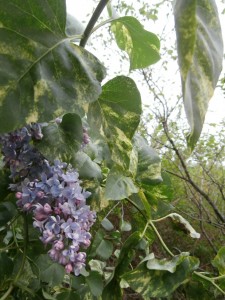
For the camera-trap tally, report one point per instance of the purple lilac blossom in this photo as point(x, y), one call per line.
point(58, 204)
point(53, 195)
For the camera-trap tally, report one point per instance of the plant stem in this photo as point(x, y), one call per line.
point(25, 233)
point(92, 22)
point(143, 233)
point(11, 287)
point(219, 277)
point(140, 211)
point(149, 222)
point(211, 280)
point(101, 24)
point(188, 178)
point(7, 293)
point(160, 239)
point(112, 209)
point(160, 219)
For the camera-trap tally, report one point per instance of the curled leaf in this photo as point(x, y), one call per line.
point(176, 218)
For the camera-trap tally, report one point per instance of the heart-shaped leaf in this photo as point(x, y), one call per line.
point(141, 45)
point(117, 112)
point(43, 74)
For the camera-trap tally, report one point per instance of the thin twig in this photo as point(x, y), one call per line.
point(189, 179)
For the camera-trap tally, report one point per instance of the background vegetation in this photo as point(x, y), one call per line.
point(156, 180)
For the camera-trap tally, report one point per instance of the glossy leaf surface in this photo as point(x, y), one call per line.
point(200, 53)
point(43, 74)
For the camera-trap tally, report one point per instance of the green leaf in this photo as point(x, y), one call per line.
point(97, 265)
point(141, 202)
point(87, 168)
point(142, 46)
point(95, 283)
point(121, 96)
point(61, 140)
point(43, 75)
point(6, 264)
point(112, 290)
point(47, 296)
point(72, 128)
point(117, 112)
point(99, 236)
point(68, 295)
point(127, 252)
point(50, 272)
point(7, 212)
point(73, 26)
point(157, 283)
point(77, 281)
point(165, 264)
point(105, 249)
point(119, 186)
point(200, 53)
point(4, 183)
point(107, 224)
point(149, 163)
point(219, 261)
point(125, 226)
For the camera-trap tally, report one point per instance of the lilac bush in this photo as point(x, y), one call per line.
point(53, 195)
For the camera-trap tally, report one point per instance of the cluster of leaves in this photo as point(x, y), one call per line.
point(50, 76)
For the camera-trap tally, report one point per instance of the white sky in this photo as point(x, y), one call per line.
point(216, 110)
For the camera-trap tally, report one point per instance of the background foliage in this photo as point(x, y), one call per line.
point(143, 246)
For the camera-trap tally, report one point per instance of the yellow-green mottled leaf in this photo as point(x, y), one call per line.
point(160, 283)
point(117, 114)
point(200, 54)
point(42, 75)
point(166, 264)
point(142, 46)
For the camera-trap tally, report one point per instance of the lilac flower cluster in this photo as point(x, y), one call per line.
point(58, 204)
point(20, 156)
point(54, 197)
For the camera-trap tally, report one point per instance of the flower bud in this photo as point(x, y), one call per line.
point(19, 195)
point(69, 268)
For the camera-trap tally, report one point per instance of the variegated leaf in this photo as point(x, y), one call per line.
point(117, 114)
point(200, 54)
point(42, 75)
